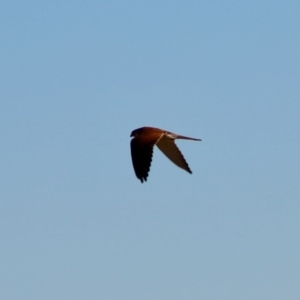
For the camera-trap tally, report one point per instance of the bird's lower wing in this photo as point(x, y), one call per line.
point(169, 148)
point(141, 154)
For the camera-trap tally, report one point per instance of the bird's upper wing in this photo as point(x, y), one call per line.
point(141, 154)
point(169, 148)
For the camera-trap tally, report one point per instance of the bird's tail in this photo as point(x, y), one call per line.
point(182, 137)
point(186, 138)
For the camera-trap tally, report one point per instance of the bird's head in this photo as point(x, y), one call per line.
point(133, 133)
point(136, 132)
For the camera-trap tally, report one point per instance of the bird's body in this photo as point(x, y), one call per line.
point(142, 144)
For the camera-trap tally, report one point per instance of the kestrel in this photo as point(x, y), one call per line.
point(142, 145)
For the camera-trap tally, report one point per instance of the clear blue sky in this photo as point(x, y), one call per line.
point(77, 77)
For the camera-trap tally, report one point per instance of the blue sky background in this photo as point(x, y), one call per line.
point(77, 77)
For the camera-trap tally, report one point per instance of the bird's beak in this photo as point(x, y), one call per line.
point(131, 135)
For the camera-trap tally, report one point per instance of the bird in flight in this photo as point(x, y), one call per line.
point(142, 144)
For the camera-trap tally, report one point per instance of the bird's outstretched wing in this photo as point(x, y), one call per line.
point(141, 154)
point(169, 148)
